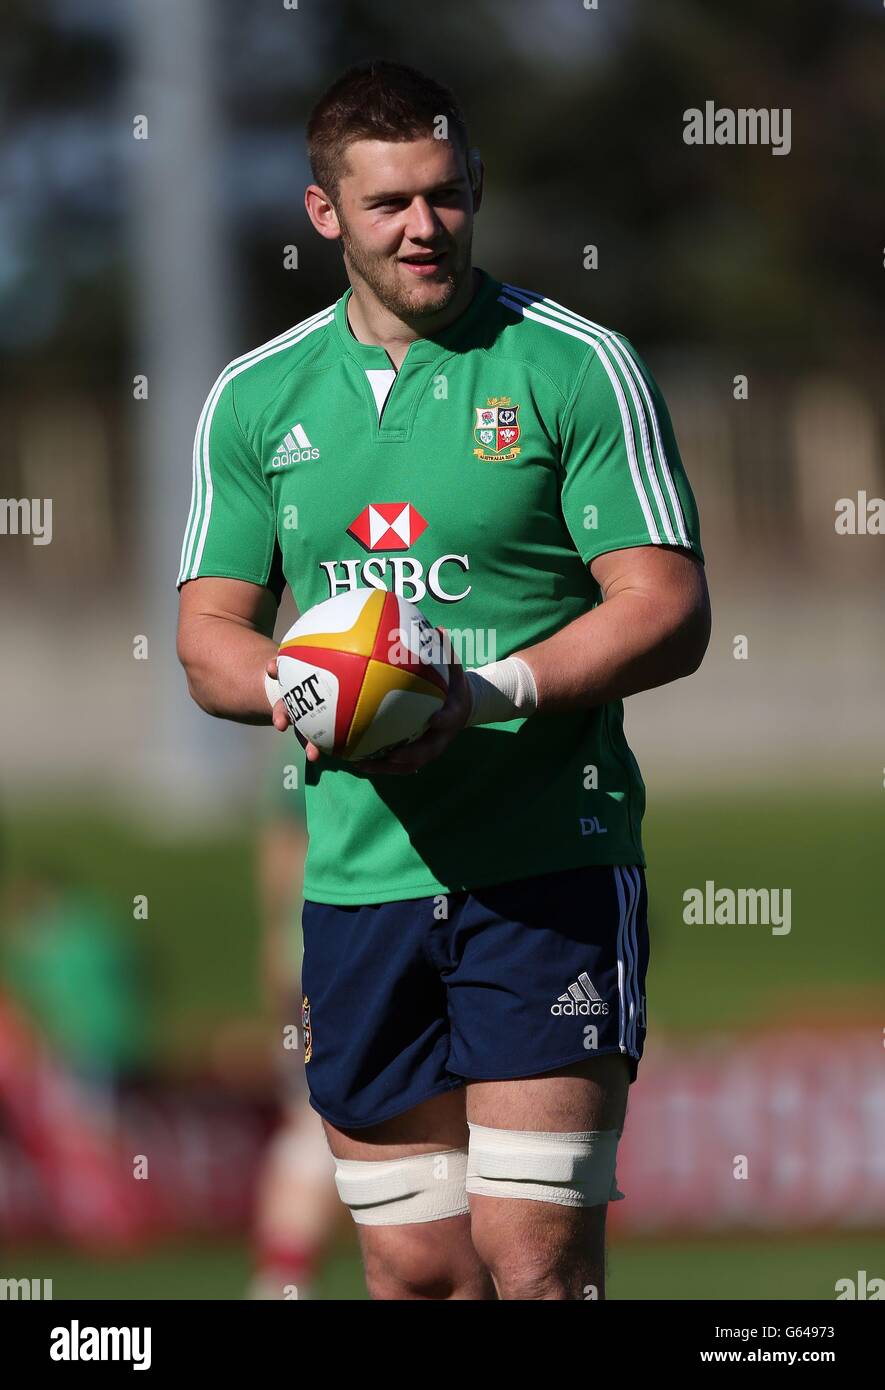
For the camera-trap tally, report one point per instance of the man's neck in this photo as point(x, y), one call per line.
point(371, 322)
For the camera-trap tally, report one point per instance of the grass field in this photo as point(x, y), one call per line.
point(824, 844)
point(712, 1270)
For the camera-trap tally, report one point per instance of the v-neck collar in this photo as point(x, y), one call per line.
point(370, 355)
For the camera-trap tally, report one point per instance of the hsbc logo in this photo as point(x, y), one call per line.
point(392, 526)
point(387, 526)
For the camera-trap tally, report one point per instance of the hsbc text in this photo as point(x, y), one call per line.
point(405, 576)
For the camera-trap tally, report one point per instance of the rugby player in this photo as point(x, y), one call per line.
point(475, 919)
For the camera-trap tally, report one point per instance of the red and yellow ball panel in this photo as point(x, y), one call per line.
point(353, 676)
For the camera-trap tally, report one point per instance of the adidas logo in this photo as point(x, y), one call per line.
point(581, 998)
point(295, 448)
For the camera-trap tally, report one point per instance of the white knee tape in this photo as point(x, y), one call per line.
point(575, 1170)
point(399, 1191)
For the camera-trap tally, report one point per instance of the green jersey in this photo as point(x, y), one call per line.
point(479, 481)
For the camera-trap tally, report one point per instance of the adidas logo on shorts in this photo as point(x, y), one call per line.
point(581, 998)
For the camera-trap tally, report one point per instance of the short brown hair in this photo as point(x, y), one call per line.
point(377, 100)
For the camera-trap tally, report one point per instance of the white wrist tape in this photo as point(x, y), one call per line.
point(500, 691)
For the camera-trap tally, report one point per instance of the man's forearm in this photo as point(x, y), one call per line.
point(225, 664)
point(625, 645)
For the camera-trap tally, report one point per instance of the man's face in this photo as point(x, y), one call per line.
point(406, 216)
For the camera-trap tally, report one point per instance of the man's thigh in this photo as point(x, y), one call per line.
point(541, 1248)
point(437, 1124)
point(424, 1259)
point(585, 1096)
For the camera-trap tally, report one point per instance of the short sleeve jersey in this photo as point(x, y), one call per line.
point(479, 481)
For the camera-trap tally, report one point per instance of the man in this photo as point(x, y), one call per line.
point(475, 908)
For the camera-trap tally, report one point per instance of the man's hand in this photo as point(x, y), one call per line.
point(280, 717)
point(443, 726)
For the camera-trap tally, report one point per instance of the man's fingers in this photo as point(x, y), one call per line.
point(280, 720)
point(409, 759)
point(453, 712)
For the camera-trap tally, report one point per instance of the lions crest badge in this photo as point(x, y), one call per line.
point(496, 430)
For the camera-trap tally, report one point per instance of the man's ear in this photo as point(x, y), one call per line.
point(321, 211)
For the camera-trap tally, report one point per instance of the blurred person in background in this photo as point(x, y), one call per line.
point(297, 1206)
point(68, 961)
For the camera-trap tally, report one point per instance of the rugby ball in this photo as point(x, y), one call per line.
point(362, 672)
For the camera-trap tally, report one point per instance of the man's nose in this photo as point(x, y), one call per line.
point(422, 221)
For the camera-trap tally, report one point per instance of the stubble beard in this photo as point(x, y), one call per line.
point(380, 274)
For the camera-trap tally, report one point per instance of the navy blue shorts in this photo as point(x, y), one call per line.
point(406, 1000)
